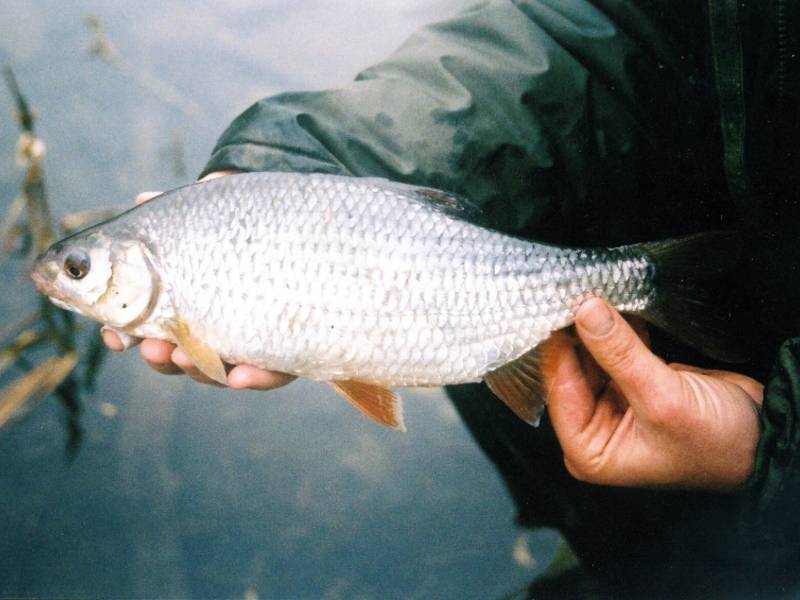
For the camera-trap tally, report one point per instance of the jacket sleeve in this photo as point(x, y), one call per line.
point(454, 107)
point(508, 103)
point(776, 476)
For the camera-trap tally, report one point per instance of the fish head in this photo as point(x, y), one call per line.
point(99, 276)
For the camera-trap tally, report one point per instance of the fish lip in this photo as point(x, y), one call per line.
point(44, 277)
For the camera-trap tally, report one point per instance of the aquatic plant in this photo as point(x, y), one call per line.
point(43, 347)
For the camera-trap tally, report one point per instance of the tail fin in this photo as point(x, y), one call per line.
point(686, 271)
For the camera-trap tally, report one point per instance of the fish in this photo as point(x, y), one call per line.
point(367, 284)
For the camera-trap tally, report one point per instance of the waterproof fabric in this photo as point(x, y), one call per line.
point(595, 123)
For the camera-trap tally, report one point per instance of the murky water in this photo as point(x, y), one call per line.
point(183, 490)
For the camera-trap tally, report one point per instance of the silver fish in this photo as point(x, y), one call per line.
point(363, 283)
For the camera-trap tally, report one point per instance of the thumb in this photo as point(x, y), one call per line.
point(620, 352)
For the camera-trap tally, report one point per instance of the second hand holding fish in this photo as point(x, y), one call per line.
point(623, 417)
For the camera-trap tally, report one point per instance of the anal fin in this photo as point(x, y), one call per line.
point(519, 385)
point(205, 359)
point(376, 401)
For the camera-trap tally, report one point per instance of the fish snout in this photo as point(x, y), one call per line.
point(44, 275)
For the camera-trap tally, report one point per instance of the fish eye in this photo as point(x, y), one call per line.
point(77, 264)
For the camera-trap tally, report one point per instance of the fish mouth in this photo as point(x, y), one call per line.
point(44, 276)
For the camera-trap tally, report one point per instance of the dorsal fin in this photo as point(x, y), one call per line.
point(519, 385)
point(203, 357)
point(376, 401)
point(445, 202)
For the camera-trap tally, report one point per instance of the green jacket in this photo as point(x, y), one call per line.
point(599, 123)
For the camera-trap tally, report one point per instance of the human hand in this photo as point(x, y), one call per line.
point(167, 358)
point(624, 417)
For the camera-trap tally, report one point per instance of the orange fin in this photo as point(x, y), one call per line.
point(201, 354)
point(374, 400)
point(519, 385)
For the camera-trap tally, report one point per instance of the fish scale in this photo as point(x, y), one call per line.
point(354, 279)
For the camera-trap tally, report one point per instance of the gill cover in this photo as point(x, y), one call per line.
point(132, 287)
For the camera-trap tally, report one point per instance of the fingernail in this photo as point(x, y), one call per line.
point(143, 197)
point(595, 317)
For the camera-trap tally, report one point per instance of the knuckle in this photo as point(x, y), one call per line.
point(621, 354)
point(182, 361)
point(589, 468)
point(664, 411)
point(574, 468)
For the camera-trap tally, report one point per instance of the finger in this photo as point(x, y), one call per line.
point(168, 369)
point(216, 174)
point(157, 351)
point(182, 361)
point(595, 376)
point(571, 399)
point(253, 378)
point(117, 341)
point(145, 196)
point(752, 387)
point(112, 341)
point(598, 379)
point(157, 354)
point(639, 374)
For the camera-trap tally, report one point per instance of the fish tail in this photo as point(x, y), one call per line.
point(687, 273)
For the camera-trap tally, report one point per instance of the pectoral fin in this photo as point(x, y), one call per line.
point(204, 358)
point(376, 401)
point(519, 385)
